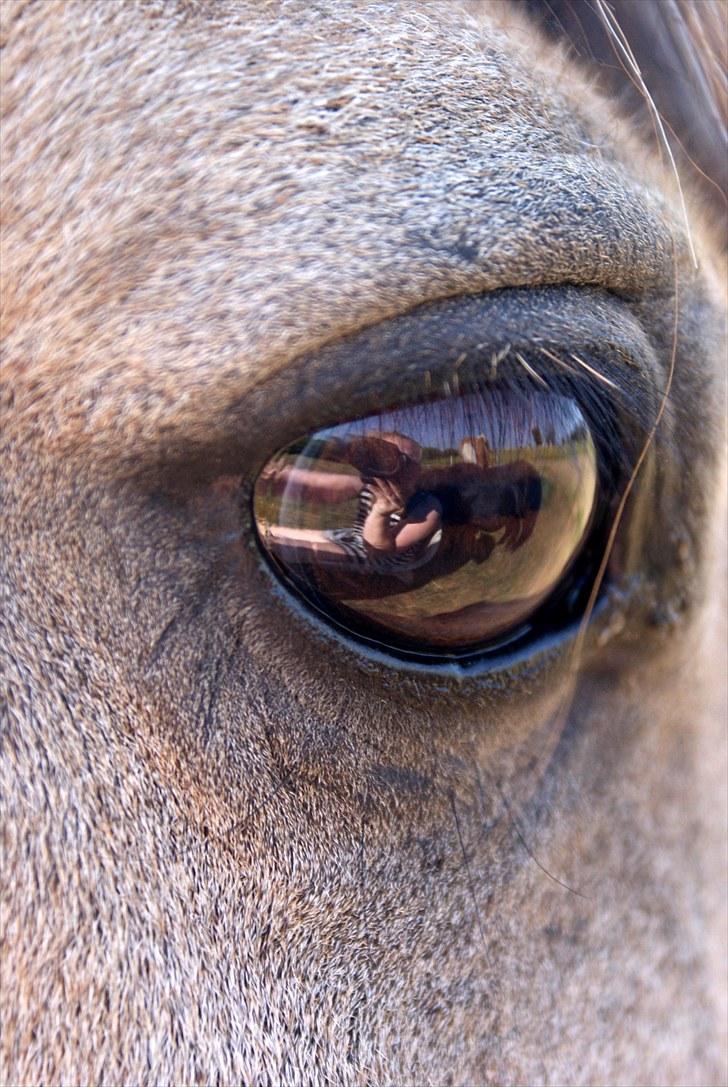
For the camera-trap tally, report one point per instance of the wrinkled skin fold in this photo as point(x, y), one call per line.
point(237, 847)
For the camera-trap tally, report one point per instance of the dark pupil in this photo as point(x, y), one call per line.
point(439, 525)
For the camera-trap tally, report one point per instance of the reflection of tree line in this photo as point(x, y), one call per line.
point(550, 449)
point(413, 522)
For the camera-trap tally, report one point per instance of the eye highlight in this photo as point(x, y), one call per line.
point(438, 528)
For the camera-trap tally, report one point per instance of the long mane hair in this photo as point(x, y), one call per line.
point(680, 47)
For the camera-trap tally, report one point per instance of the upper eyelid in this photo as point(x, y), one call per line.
point(404, 359)
point(418, 354)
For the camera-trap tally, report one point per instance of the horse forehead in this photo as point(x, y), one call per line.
point(235, 188)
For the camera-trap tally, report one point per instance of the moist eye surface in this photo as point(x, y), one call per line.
point(443, 525)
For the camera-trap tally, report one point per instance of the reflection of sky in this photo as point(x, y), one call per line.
point(506, 419)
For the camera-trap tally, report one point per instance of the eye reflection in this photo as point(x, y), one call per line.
point(441, 525)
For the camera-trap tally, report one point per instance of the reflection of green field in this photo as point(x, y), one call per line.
point(568, 477)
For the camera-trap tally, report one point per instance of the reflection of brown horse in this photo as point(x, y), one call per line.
point(478, 503)
point(504, 498)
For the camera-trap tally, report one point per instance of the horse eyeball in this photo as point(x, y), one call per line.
point(442, 526)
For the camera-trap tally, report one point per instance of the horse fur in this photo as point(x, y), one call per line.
point(235, 849)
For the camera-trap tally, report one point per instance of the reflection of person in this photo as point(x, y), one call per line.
point(396, 526)
point(411, 523)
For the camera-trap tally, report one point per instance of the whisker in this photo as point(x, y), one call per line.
point(469, 874)
point(579, 643)
point(241, 824)
point(530, 370)
point(529, 851)
point(621, 44)
point(363, 883)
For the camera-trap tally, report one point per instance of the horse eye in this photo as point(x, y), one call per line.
point(443, 527)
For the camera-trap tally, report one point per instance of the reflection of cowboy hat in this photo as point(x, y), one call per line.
point(376, 457)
